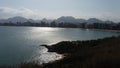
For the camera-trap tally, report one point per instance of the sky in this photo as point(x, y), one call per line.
point(52, 9)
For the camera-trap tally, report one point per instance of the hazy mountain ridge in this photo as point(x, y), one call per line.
point(63, 22)
point(68, 19)
point(17, 19)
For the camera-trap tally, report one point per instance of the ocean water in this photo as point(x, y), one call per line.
point(21, 44)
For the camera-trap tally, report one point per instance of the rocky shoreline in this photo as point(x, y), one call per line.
point(101, 53)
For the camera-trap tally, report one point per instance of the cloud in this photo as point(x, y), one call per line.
point(6, 12)
point(113, 16)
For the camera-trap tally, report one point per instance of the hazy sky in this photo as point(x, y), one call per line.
point(37, 9)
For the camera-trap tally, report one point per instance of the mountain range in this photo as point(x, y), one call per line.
point(69, 19)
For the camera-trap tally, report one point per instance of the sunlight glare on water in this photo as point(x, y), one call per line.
point(20, 44)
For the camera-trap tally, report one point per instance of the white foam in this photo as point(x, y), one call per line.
point(43, 56)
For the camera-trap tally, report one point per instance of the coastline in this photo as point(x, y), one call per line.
point(107, 30)
point(110, 30)
point(101, 53)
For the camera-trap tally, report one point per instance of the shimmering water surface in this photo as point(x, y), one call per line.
point(19, 44)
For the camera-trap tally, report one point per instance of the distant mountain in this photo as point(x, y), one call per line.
point(64, 21)
point(18, 19)
point(14, 20)
point(67, 19)
point(81, 20)
point(94, 20)
point(70, 19)
point(109, 22)
point(46, 20)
